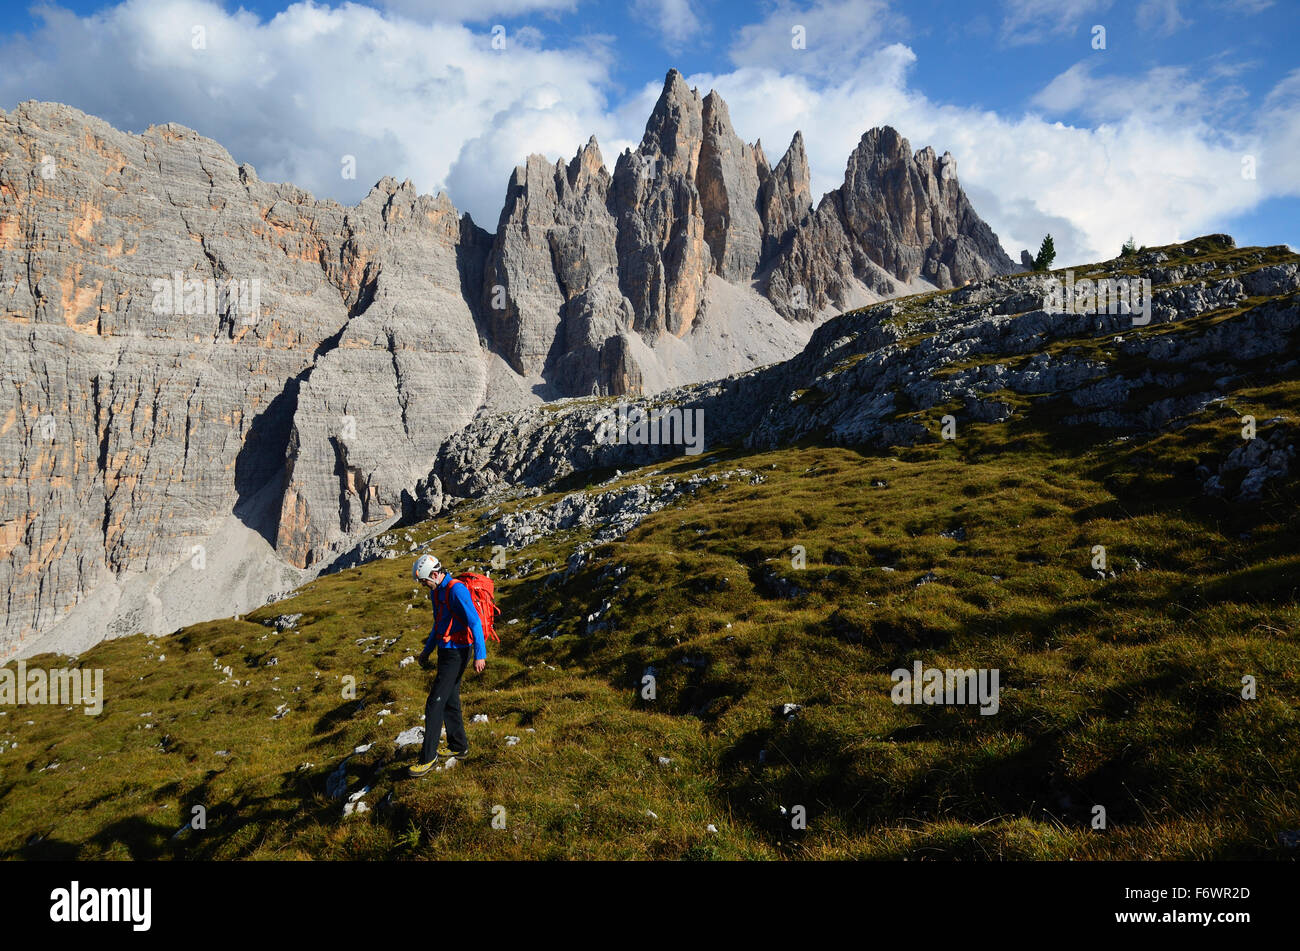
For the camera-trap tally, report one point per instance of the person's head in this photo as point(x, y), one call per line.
point(428, 570)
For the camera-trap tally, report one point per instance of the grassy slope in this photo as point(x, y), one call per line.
point(1123, 692)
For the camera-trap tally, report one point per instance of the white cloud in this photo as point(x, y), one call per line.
point(1158, 155)
point(1167, 93)
point(674, 19)
point(540, 123)
point(1278, 165)
point(824, 37)
point(1160, 174)
point(1033, 21)
point(475, 11)
point(294, 94)
point(1162, 16)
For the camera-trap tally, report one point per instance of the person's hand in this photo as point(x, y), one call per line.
point(479, 665)
point(423, 659)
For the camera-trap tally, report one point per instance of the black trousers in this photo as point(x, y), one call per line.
point(444, 701)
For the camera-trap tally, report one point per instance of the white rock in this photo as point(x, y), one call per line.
point(651, 814)
point(665, 761)
point(363, 748)
point(710, 828)
point(479, 718)
point(412, 737)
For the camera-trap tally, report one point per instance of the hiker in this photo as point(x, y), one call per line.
point(456, 628)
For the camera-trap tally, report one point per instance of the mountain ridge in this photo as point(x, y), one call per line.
point(280, 438)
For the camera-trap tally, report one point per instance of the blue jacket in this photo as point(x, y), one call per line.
point(462, 615)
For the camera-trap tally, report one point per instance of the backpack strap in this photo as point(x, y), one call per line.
point(445, 597)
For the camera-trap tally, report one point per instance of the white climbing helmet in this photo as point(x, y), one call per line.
point(424, 567)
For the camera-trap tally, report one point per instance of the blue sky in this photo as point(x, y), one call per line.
point(1151, 135)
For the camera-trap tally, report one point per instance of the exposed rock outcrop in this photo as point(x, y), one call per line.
point(869, 377)
point(208, 380)
point(897, 218)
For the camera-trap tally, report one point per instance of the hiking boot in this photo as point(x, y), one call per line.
point(420, 770)
point(445, 750)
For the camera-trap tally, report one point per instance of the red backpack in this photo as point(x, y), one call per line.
point(481, 592)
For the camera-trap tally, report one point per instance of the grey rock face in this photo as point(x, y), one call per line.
point(728, 181)
point(140, 418)
point(851, 380)
point(862, 376)
point(178, 447)
point(524, 449)
point(694, 200)
point(403, 374)
point(1253, 465)
point(591, 274)
point(662, 252)
point(784, 198)
point(553, 270)
point(614, 513)
point(898, 217)
point(1269, 281)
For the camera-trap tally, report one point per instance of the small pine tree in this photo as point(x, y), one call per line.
point(1130, 247)
point(1046, 255)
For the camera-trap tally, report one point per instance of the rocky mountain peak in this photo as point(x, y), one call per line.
point(587, 165)
point(899, 217)
point(675, 125)
point(785, 197)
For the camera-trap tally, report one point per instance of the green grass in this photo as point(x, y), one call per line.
point(1123, 692)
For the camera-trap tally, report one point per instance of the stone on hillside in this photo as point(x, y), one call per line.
point(412, 737)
